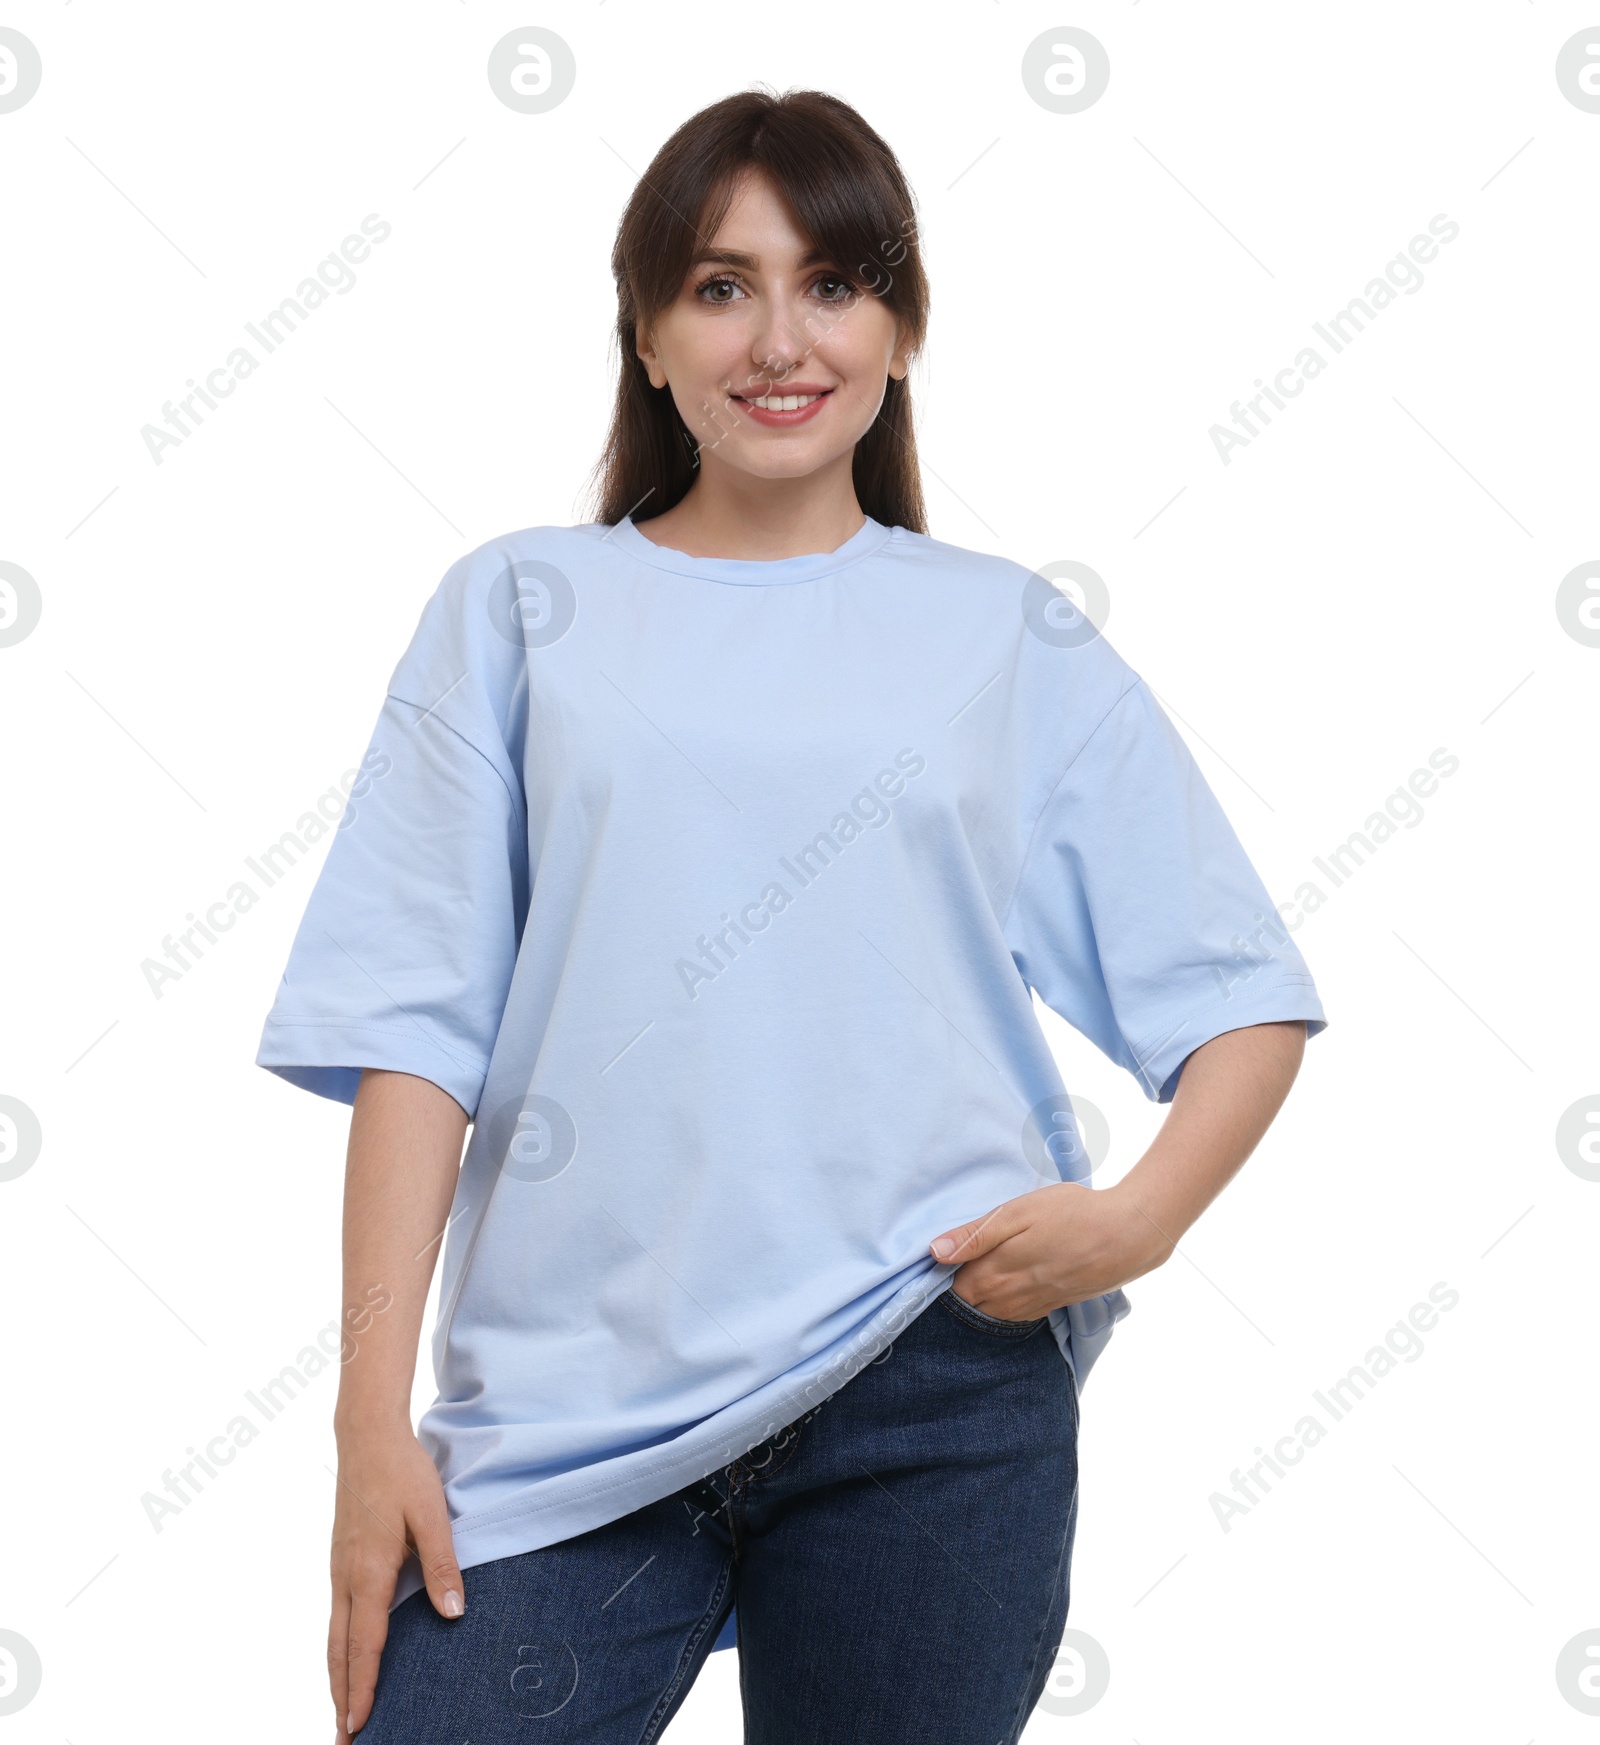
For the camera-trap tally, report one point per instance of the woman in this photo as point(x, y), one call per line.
point(703, 859)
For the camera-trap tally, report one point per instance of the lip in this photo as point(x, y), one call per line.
point(781, 420)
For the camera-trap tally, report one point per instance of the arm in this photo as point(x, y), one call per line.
point(400, 1176)
point(1065, 1243)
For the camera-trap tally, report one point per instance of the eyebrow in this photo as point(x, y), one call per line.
point(728, 257)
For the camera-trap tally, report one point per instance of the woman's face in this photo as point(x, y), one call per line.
point(761, 315)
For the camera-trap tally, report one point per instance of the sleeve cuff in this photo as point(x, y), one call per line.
point(1284, 998)
point(328, 1058)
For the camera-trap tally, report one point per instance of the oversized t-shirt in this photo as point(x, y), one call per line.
point(716, 891)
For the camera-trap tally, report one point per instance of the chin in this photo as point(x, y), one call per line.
point(793, 465)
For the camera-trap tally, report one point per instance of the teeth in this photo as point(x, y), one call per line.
point(785, 402)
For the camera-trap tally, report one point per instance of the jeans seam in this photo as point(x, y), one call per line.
point(668, 1696)
point(1063, 1569)
point(999, 1329)
point(754, 1474)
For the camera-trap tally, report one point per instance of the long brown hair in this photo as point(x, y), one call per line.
point(848, 196)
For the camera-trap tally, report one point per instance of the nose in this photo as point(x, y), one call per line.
point(780, 344)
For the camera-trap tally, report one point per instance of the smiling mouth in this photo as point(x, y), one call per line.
point(782, 402)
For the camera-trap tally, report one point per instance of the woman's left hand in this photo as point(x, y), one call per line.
point(1057, 1245)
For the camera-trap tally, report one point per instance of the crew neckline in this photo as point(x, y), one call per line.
point(753, 571)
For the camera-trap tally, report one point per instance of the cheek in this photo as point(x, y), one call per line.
point(860, 344)
point(706, 406)
point(859, 407)
point(701, 355)
point(861, 392)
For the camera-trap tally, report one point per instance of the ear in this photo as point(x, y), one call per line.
point(651, 361)
point(900, 361)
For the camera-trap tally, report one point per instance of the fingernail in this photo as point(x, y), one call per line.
point(350, 1722)
point(944, 1247)
point(451, 1602)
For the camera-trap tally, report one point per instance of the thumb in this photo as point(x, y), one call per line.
point(967, 1241)
point(436, 1553)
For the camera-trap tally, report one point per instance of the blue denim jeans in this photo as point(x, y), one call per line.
point(900, 1556)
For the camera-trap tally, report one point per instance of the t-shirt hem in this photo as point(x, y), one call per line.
point(328, 1056)
point(1284, 997)
point(577, 1505)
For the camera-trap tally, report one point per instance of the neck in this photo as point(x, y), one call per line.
point(733, 515)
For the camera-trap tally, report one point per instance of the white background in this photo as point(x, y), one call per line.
point(1372, 578)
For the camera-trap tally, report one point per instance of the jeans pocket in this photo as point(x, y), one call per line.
point(984, 1323)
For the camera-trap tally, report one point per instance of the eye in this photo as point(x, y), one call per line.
point(844, 289)
point(717, 282)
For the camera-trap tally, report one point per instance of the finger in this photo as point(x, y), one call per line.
point(369, 1630)
point(953, 1245)
point(339, 1652)
point(968, 1241)
point(994, 1296)
point(436, 1552)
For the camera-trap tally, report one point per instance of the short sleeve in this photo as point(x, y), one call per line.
point(1138, 916)
point(404, 956)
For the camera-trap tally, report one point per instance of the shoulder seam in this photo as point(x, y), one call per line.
point(428, 710)
point(1027, 852)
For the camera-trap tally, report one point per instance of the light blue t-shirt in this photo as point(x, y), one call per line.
point(714, 890)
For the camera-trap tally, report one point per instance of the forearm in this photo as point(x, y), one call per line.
point(1228, 1094)
point(400, 1177)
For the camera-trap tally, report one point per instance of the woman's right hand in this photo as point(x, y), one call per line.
point(405, 1157)
point(390, 1502)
